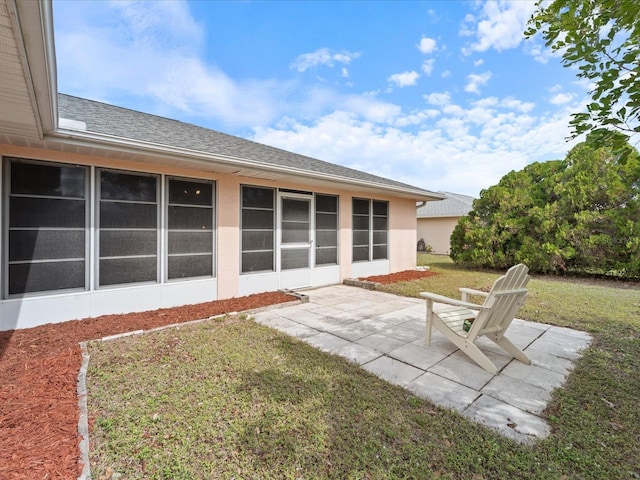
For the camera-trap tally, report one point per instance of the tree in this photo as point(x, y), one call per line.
point(580, 214)
point(601, 38)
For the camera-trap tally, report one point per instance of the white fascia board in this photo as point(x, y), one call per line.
point(119, 144)
point(36, 43)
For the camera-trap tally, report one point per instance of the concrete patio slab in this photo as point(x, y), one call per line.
point(381, 342)
point(510, 421)
point(392, 370)
point(518, 393)
point(385, 334)
point(357, 353)
point(326, 342)
point(461, 369)
point(417, 355)
point(354, 331)
point(560, 345)
point(534, 375)
point(443, 392)
point(549, 361)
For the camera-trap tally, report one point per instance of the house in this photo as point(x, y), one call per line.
point(109, 210)
point(436, 220)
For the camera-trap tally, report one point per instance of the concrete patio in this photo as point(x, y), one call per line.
point(385, 334)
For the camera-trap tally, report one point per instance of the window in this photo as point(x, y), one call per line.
point(190, 228)
point(46, 227)
point(128, 220)
point(370, 230)
point(48, 210)
point(361, 230)
point(257, 229)
point(326, 230)
point(380, 229)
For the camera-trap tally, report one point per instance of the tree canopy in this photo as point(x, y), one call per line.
point(580, 215)
point(602, 39)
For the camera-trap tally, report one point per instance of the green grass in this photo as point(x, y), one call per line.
point(232, 399)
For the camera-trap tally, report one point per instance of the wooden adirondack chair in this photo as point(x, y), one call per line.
point(490, 319)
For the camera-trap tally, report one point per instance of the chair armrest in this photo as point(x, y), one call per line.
point(451, 301)
point(472, 291)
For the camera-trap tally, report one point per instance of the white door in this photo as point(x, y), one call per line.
point(295, 240)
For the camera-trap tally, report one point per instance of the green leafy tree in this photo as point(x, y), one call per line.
point(602, 39)
point(580, 214)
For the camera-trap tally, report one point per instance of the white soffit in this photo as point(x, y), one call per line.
point(18, 114)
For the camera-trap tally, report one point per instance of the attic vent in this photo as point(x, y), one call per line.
point(72, 124)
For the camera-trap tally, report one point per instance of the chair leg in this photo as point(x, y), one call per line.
point(509, 347)
point(428, 324)
point(480, 358)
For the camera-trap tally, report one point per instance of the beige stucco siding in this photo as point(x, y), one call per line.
point(436, 233)
point(228, 251)
point(402, 227)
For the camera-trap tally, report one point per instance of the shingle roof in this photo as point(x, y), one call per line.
point(454, 205)
point(102, 118)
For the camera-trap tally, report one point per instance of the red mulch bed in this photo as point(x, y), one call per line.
point(404, 276)
point(38, 373)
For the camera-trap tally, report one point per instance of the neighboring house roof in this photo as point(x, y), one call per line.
point(454, 205)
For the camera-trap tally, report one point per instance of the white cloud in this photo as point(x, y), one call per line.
point(458, 149)
point(475, 81)
point(416, 118)
point(370, 109)
point(404, 79)
point(322, 57)
point(478, 62)
point(561, 98)
point(518, 105)
point(427, 45)
point(499, 25)
point(467, 26)
point(151, 52)
point(439, 99)
point(427, 66)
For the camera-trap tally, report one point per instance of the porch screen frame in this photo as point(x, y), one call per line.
point(370, 230)
point(46, 229)
point(257, 229)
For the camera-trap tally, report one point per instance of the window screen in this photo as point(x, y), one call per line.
point(361, 230)
point(257, 229)
point(47, 221)
point(128, 220)
point(380, 229)
point(370, 230)
point(326, 230)
point(190, 228)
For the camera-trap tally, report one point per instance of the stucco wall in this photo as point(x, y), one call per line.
point(402, 228)
point(436, 232)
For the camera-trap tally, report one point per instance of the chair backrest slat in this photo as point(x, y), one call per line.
point(505, 299)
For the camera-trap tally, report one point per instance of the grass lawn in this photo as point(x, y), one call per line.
point(233, 399)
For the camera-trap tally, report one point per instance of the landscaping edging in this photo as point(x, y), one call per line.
point(354, 282)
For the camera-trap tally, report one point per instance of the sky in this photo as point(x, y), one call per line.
point(443, 95)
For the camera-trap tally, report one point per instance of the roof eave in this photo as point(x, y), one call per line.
point(35, 22)
point(120, 144)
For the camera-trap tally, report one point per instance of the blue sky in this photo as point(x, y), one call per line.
point(445, 95)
